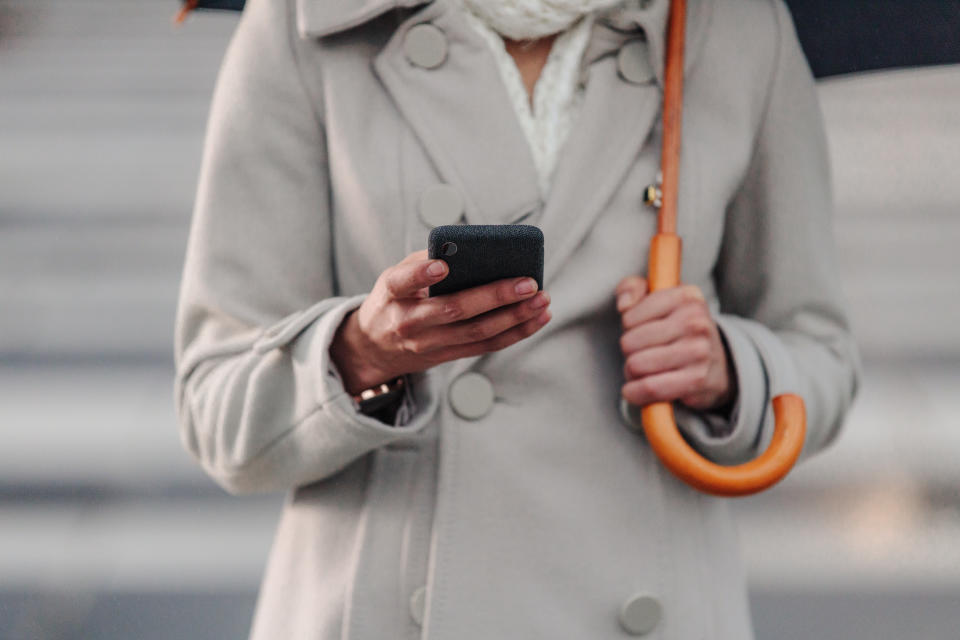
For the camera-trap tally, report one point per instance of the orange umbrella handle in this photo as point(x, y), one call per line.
point(679, 457)
point(659, 424)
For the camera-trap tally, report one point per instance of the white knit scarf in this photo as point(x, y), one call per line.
point(527, 19)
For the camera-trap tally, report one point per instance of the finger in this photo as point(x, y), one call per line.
point(659, 304)
point(631, 282)
point(416, 256)
point(518, 333)
point(675, 355)
point(480, 328)
point(664, 387)
point(405, 279)
point(469, 303)
point(496, 343)
point(629, 291)
point(651, 334)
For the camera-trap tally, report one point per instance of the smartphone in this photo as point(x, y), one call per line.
point(481, 253)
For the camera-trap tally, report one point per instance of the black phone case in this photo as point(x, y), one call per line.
point(481, 253)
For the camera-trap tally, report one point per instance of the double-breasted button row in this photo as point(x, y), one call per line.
point(440, 204)
point(425, 45)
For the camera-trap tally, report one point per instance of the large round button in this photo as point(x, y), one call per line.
point(640, 614)
point(425, 45)
point(440, 204)
point(471, 396)
point(418, 602)
point(633, 61)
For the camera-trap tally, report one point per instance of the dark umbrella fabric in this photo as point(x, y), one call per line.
point(850, 36)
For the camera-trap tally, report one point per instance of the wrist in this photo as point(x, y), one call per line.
point(726, 401)
point(350, 351)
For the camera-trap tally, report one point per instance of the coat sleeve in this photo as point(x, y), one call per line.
point(781, 309)
point(259, 401)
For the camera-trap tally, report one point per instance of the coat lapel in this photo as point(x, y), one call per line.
point(615, 123)
point(616, 119)
point(461, 112)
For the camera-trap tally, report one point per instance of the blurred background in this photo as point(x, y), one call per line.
point(109, 530)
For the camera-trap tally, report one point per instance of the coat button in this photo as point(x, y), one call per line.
point(471, 396)
point(640, 614)
point(633, 61)
point(417, 603)
point(440, 204)
point(425, 45)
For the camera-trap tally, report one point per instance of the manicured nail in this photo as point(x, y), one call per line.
point(526, 286)
point(624, 300)
point(437, 268)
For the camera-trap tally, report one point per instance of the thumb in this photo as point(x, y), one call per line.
point(630, 291)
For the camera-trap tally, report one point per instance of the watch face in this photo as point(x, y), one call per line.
point(382, 404)
point(381, 400)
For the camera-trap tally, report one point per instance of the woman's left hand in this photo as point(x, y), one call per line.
point(672, 347)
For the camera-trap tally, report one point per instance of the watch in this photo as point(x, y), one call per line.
point(370, 401)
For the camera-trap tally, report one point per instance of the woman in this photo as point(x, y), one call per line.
point(500, 487)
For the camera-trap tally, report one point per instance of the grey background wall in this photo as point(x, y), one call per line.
point(108, 529)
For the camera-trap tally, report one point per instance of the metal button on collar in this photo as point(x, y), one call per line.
point(633, 62)
point(640, 614)
point(471, 395)
point(418, 601)
point(440, 204)
point(425, 45)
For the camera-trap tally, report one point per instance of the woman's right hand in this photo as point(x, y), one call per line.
point(398, 329)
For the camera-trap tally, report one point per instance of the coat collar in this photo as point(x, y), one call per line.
point(318, 18)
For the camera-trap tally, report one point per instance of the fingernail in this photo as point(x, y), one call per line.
point(624, 300)
point(526, 286)
point(437, 268)
point(539, 301)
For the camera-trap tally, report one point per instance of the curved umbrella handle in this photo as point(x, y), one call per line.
point(679, 457)
point(740, 480)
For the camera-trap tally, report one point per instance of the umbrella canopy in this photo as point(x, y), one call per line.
point(849, 36)
point(843, 36)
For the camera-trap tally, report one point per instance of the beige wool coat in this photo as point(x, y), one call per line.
point(547, 516)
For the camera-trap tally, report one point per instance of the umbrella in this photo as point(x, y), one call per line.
point(663, 272)
point(848, 36)
point(838, 36)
